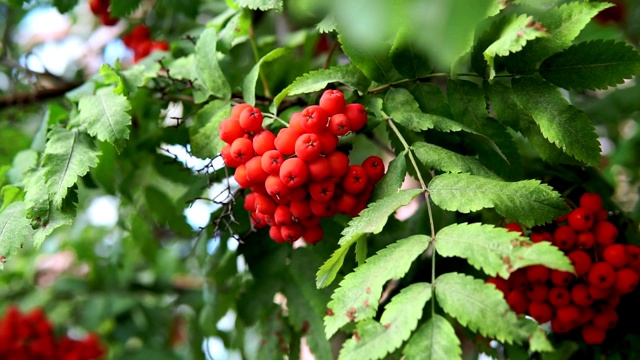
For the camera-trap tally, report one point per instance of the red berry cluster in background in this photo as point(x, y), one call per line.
point(604, 271)
point(139, 40)
point(298, 177)
point(101, 9)
point(30, 336)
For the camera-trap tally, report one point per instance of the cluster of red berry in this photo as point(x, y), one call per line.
point(30, 336)
point(604, 271)
point(101, 9)
point(139, 40)
point(298, 177)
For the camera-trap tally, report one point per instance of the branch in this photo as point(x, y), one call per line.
point(37, 96)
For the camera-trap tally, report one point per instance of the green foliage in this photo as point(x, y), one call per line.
point(591, 65)
point(497, 251)
point(207, 66)
point(435, 339)
point(105, 116)
point(249, 84)
point(263, 5)
point(442, 159)
point(358, 294)
point(15, 230)
point(375, 339)
point(528, 202)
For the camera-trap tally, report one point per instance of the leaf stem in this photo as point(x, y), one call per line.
point(276, 119)
point(256, 55)
point(423, 185)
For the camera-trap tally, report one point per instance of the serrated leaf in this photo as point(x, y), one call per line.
point(327, 25)
point(205, 142)
point(398, 100)
point(357, 297)
point(409, 61)
point(400, 317)
point(497, 251)
point(375, 64)
point(591, 65)
point(418, 121)
point(372, 219)
point(478, 306)
point(434, 340)
point(563, 24)
point(319, 79)
point(538, 342)
point(9, 195)
point(263, 5)
point(235, 31)
point(431, 99)
point(528, 202)
point(327, 272)
point(15, 230)
point(54, 219)
point(36, 197)
point(120, 8)
point(128, 81)
point(514, 35)
point(68, 155)
point(563, 124)
point(104, 115)
point(208, 69)
point(439, 158)
point(392, 179)
point(249, 83)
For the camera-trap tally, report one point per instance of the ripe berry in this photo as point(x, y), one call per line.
point(107, 20)
point(605, 232)
point(282, 216)
point(616, 255)
point(593, 335)
point(591, 202)
point(238, 109)
point(285, 141)
point(518, 280)
point(561, 278)
point(230, 130)
point(585, 240)
point(537, 273)
point(346, 203)
point(301, 210)
point(319, 169)
point(328, 142)
point(355, 181)
point(322, 208)
point(251, 119)
point(514, 227)
point(374, 167)
point(626, 280)
point(291, 233)
point(541, 311)
point(598, 293)
point(312, 235)
point(568, 314)
point(265, 204)
point(225, 152)
point(314, 119)
point(339, 124)
point(602, 275)
point(298, 194)
point(581, 261)
point(539, 236)
point(275, 233)
point(633, 252)
point(250, 202)
point(500, 284)
point(333, 102)
point(271, 162)
point(518, 301)
point(559, 296)
point(240, 175)
point(580, 295)
point(307, 147)
point(581, 219)
point(159, 46)
point(560, 327)
point(322, 190)
point(294, 172)
point(564, 237)
point(242, 150)
point(263, 142)
point(538, 292)
point(140, 32)
point(607, 319)
point(98, 6)
point(357, 115)
point(255, 173)
point(339, 163)
point(275, 187)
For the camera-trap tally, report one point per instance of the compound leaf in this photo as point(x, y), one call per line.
point(359, 292)
point(528, 202)
point(563, 124)
point(104, 115)
point(591, 65)
point(442, 159)
point(434, 340)
point(401, 315)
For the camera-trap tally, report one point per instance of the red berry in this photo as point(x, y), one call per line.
point(265, 205)
point(307, 147)
point(598, 293)
point(301, 210)
point(541, 311)
point(159, 45)
point(564, 237)
point(312, 235)
point(592, 202)
point(568, 314)
point(99, 6)
point(314, 119)
point(328, 142)
point(539, 236)
point(538, 292)
point(518, 301)
point(333, 102)
point(616, 255)
point(242, 150)
point(294, 172)
point(559, 296)
point(322, 208)
point(581, 219)
point(271, 162)
point(514, 227)
point(251, 119)
point(581, 261)
point(374, 167)
point(518, 280)
point(605, 232)
point(585, 240)
point(537, 273)
point(322, 190)
point(346, 203)
point(355, 181)
point(275, 187)
point(357, 115)
point(225, 152)
point(593, 335)
point(285, 141)
point(626, 280)
point(319, 169)
point(295, 123)
point(561, 278)
point(339, 163)
point(282, 215)
point(107, 20)
point(633, 252)
point(291, 233)
point(240, 175)
point(230, 130)
point(602, 275)
point(238, 109)
point(140, 32)
point(605, 320)
point(275, 233)
point(560, 327)
point(263, 142)
point(500, 284)
point(339, 124)
point(255, 173)
point(580, 295)
point(250, 202)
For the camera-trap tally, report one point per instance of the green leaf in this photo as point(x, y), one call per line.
point(563, 124)
point(64, 6)
point(528, 202)
point(361, 250)
point(9, 195)
point(359, 292)
point(563, 24)
point(497, 251)
point(319, 79)
point(327, 25)
point(407, 60)
point(235, 31)
point(434, 340)
point(128, 81)
point(372, 219)
point(401, 315)
point(418, 121)
point(375, 64)
point(249, 84)
point(263, 5)
point(104, 115)
point(15, 230)
point(36, 198)
point(392, 179)
point(431, 99)
point(67, 155)
point(538, 342)
point(205, 142)
point(398, 100)
point(442, 159)
point(123, 7)
point(54, 219)
point(515, 33)
point(207, 66)
point(328, 271)
point(591, 65)
point(478, 306)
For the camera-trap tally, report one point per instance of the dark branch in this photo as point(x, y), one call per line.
point(29, 98)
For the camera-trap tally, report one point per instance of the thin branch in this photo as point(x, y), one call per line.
point(28, 98)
